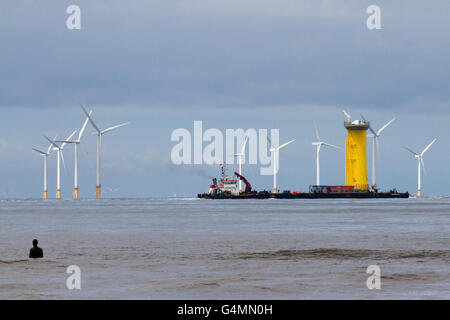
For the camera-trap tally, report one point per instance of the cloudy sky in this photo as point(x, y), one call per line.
point(232, 64)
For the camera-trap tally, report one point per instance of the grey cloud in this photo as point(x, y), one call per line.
point(225, 53)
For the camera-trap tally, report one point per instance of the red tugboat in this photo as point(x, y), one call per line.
point(227, 188)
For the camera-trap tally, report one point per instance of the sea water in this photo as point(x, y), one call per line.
point(226, 249)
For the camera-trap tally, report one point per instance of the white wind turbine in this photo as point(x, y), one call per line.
point(275, 151)
point(241, 156)
point(45, 155)
point(60, 156)
point(375, 147)
point(420, 163)
point(76, 143)
point(99, 134)
point(319, 144)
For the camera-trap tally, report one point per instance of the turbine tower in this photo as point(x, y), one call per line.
point(318, 145)
point(240, 157)
point(100, 133)
point(375, 135)
point(420, 163)
point(45, 155)
point(275, 152)
point(60, 156)
point(76, 143)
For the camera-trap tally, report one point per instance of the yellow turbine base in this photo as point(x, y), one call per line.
point(99, 192)
point(58, 194)
point(355, 159)
point(275, 190)
point(75, 193)
point(45, 194)
point(419, 193)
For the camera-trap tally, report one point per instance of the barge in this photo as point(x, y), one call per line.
point(227, 188)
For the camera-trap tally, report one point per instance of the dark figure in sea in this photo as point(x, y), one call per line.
point(36, 252)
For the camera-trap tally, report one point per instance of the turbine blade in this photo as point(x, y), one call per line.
point(428, 146)
point(84, 126)
point(385, 126)
point(63, 162)
point(52, 142)
point(115, 127)
point(317, 131)
point(284, 145)
point(411, 151)
point(243, 147)
point(349, 118)
point(332, 145)
point(41, 152)
point(362, 117)
point(68, 139)
point(370, 127)
point(90, 119)
point(50, 146)
point(423, 165)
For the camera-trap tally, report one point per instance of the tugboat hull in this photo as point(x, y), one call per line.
point(265, 195)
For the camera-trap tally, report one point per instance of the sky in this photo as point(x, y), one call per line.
point(232, 64)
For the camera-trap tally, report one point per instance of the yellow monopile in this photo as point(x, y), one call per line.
point(356, 155)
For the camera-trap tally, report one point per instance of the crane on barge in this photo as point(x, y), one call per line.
point(248, 186)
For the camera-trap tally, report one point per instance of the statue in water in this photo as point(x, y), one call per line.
point(36, 252)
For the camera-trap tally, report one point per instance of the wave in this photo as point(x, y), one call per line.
point(338, 253)
point(28, 261)
point(12, 261)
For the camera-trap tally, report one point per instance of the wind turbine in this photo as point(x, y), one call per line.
point(76, 143)
point(375, 135)
point(275, 151)
point(318, 145)
point(60, 156)
point(420, 162)
point(45, 155)
point(99, 145)
point(240, 157)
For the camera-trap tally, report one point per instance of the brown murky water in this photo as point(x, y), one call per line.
point(195, 249)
